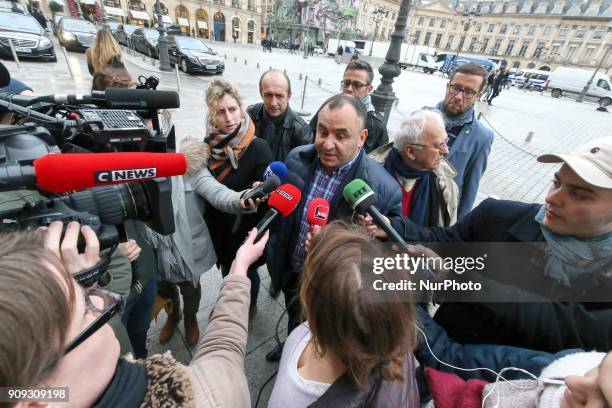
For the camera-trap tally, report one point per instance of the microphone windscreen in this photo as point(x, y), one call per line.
point(285, 199)
point(318, 212)
point(271, 183)
point(279, 168)
point(359, 195)
point(141, 99)
point(60, 173)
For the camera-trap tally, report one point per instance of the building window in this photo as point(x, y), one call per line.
point(438, 40)
point(421, 21)
point(523, 49)
point(491, 28)
point(580, 33)
point(598, 35)
point(432, 22)
point(473, 43)
point(442, 23)
point(461, 42)
point(539, 50)
point(393, 16)
point(365, 7)
point(417, 35)
point(547, 31)
point(503, 29)
point(478, 27)
point(571, 51)
point(496, 47)
point(517, 29)
point(588, 55)
point(236, 3)
point(554, 52)
point(454, 25)
point(531, 30)
point(485, 43)
point(427, 38)
point(510, 47)
point(563, 31)
point(449, 43)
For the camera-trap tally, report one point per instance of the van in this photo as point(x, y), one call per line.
point(571, 81)
point(487, 64)
point(530, 79)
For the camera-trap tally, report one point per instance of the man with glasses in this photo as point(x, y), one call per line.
point(469, 141)
point(416, 160)
point(357, 81)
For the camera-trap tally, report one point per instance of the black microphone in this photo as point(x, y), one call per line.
point(264, 188)
point(362, 199)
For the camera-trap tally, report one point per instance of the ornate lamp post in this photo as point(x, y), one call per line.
point(383, 97)
point(471, 15)
point(378, 15)
point(162, 42)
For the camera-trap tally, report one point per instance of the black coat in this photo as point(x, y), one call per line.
point(543, 324)
point(377, 131)
point(296, 131)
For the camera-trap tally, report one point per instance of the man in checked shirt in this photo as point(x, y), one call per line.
point(323, 169)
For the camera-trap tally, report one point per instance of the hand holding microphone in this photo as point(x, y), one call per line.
point(283, 201)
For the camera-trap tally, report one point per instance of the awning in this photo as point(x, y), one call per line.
point(166, 19)
point(114, 11)
point(90, 2)
point(202, 24)
point(139, 14)
point(60, 2)
point(183, 21)
point(236, 29)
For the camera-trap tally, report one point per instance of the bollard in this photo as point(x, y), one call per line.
point(178, 80)
point(235, 59)
point(14, 52)
point(245, 62)
point(529, 136)
point(301, 76)
point(320, 81)
point(258, 65)
point(67, 63)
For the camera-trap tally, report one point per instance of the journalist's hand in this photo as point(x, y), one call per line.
point(249, 252)
point(371, 227)
point(67, 251)
point(130, 249)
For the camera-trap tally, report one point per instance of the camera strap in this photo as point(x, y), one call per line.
point(91, 275)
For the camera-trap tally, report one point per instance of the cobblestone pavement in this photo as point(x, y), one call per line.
point(512, 173)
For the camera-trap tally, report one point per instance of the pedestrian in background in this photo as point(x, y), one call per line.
point(105, 51)
point(498, 82)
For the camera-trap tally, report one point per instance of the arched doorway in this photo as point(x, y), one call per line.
point(219, 26)
point(545, 68)
point(202, 23)
point(516, 64)
point(166, 20)
point(531, 65)
point(236, 29)
point(182, 18)
point(251, 32)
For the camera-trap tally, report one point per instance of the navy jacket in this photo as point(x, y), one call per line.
point(301, 163)
point(542, 325)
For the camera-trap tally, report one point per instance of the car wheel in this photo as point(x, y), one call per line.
point(537, 88)
point(605, 101)
point(184, 66)
point(555, 93)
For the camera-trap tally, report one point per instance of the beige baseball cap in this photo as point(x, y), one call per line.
point(592, 161)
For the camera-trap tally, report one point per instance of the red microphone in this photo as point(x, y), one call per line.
point(283, 201)
point(317, 214)
point(60, 173)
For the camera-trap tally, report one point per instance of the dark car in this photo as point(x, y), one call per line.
point(113, 25)
point(192, 55)
point(124, 32)
point(145, 40)
point(77, 35)
point(27, 36)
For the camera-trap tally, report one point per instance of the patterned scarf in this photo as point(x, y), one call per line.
point(451, 122)
point(226, 149)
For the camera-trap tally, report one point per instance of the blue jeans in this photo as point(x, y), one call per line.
point(137, 318)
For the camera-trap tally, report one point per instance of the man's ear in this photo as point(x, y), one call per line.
point(409, 152)
point(362, 137)
point(370, 88)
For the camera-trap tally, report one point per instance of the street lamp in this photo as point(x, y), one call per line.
point(471, 20)
point(304, 44)
point(378, 16)
point(162, 41)
point(603, 59)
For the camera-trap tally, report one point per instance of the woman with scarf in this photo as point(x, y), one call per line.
point(238, 159)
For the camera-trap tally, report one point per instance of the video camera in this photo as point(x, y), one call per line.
point(79, 125)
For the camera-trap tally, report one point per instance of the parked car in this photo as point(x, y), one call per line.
point(571, 81)
point(55, 23)
point(27, 36)
point(145, 40)
point(534, 79)
point(76, 35)
point(113, 25)
point(12, 7)
point(124, 32)
point(192, 55)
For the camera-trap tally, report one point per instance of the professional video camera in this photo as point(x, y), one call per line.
point(109, 124)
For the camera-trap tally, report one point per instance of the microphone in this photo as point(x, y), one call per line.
point(362, 199)
point(261, 190)
point(60, 173)
point(317, 214)
point(283, 201)
point(278, 168)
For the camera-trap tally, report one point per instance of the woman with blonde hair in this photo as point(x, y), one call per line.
point(237, 159)
point(105, 51)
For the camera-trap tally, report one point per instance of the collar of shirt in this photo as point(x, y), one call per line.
point(343, 168)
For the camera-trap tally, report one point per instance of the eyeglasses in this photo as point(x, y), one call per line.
point(97, 300)
point(467, 92)
point(439, 146)
point(345, 83)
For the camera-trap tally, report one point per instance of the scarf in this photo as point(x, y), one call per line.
point(157, 381)
point(367, 101)
point(425, 204)
point(451, 122)
point(226, 149)
point(568, 258)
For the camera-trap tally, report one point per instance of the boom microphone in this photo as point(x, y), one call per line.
point(60, 173)
point(278, 168)
point(317, 214)
point(261, 190)
point(282, 201)
point(362, 199)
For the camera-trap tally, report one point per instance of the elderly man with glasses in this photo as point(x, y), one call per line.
point(357, 81)
point(469, 141)
point(416, 159)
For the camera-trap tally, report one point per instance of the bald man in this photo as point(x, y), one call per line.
point(274, 120)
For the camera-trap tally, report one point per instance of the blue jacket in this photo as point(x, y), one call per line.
point(301, 163)
point(469, 155)
point(541, 324)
